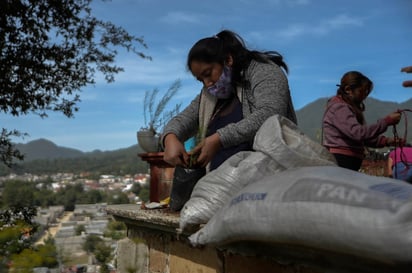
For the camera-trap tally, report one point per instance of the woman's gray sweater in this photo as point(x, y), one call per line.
point(266, 94)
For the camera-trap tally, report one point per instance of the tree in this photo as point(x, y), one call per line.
point(136, 188)
point(93, 196)
point(117, 197)
point(49, 51)
point(103, 254)
point(18, 194)
point(25, 261)
point(144, 193)
point(44, 255)
point(16, 214)
point(69, 195)
point(91, 242)
point(79, 229)
point(15, 234)
point(115, 230)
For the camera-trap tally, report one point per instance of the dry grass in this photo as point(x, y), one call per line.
point(76, 260)
point(374, 167)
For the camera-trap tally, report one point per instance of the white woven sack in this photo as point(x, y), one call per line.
point(214, 189)
point(279, 146)
point(327, 208)
point(283, 141)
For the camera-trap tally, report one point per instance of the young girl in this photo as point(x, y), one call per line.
point(345, 133)
point(241, 89)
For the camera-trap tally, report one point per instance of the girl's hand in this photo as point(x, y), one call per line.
point(407, 69)
point(393, 118)
point(390, 141)
point(174, 152)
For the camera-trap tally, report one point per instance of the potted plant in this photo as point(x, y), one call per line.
point(156, 117)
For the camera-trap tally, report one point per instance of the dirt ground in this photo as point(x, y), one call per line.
point(54, 229)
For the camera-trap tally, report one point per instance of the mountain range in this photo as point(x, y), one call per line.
point(39, 151)
point(44, 157)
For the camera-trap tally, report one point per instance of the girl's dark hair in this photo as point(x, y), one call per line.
point(354, 79)
point(225, 43)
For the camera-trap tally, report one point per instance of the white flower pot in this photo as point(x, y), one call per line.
point(148, 141)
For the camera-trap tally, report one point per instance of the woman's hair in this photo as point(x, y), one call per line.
point(354, 79)
point(226, 43)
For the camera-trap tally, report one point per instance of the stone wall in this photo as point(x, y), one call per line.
point(154, 246)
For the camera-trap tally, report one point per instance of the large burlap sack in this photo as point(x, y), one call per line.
point(279, 145)
point(325, 208)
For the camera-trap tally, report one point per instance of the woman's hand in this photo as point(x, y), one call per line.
point(206, 150)
point(174, 152)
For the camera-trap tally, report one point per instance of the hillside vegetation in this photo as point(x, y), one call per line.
point(45, 157)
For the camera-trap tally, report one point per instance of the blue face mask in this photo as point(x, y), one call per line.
point(223, 88)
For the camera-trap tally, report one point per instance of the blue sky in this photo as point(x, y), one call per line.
point(319, 39)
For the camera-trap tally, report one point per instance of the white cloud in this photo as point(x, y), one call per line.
point(179, 17)
point(290, 3)
point(322, 28)
point(153, 73)
point(293, 31)
point(343, 20)
point(338, 22)
point(294, 3)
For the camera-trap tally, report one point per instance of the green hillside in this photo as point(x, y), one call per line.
point(43, 156)
point(40, 161)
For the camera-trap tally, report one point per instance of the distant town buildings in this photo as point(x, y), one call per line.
point(62, 226)
point(105, 181)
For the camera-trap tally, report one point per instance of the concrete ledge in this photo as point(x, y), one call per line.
point(166, 250)
point(133, 215)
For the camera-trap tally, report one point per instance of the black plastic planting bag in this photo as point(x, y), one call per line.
point(184, 181)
